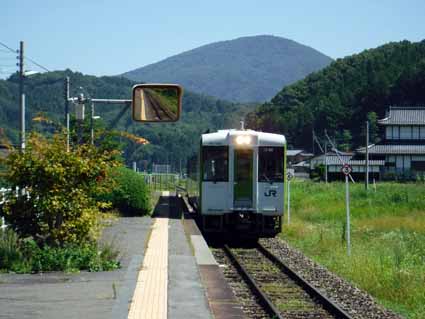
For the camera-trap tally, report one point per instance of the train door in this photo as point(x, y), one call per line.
point(242, 191)
point(215, 179)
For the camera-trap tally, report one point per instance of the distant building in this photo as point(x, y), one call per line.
point(403, 145)
point(296, 156)
point(335, 162)
point(330, 157)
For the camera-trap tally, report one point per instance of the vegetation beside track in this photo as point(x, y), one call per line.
point(55, 219)
point(388, 238)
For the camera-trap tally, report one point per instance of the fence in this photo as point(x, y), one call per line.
point(162, 181)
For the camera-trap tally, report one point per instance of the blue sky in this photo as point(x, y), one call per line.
point(109, 37)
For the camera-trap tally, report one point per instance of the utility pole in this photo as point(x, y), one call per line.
point(79, 115)
point(367, 157)
point(326, 161)
point(91, 124)
point(66, 95)
point(22, 95)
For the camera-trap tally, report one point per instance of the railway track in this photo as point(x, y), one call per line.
point(160, 112)
point(280, 291)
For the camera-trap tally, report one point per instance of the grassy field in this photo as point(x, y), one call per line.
point(387, 234)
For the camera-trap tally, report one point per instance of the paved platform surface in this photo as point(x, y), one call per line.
point(186, 294)
point(114, 294)
point(150, 296)
point(221, 299)
point(82, 295)
point(167, 271)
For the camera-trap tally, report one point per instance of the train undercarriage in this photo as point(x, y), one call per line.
point(248, 224)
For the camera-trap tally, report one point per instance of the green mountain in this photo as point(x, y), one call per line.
point(340, 97)
point(169, 142)
point(245, 69)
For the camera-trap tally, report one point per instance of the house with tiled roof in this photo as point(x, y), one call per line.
point(403, 145)
point(335, 162)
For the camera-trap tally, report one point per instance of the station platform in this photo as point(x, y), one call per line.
point(194, 286)
point(167, 271)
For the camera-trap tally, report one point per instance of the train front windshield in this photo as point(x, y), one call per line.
point(271, 164)
point(215, 163)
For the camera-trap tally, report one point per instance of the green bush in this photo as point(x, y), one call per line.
point(130, 193)
point(59, 206)
point(71, 257)
point(25, 256)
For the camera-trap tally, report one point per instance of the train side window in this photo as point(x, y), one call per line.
point(215, 163)
point(270, 164)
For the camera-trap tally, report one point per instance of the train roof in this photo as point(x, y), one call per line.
point(227, 137)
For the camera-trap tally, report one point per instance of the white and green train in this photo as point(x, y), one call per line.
point(240, 177)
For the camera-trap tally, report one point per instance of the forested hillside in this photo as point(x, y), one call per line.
point(340, 97)
point(245, 69)
point(169, 142)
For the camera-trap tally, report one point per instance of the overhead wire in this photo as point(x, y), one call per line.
point(37, 64)
point(7, 47)
point(26, 57)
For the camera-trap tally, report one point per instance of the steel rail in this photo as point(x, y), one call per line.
point(157, 105)
point(327, 303)
point(264, 299)
point(153, 106)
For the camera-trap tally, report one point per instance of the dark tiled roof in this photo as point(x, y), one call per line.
point(405, 116)
point(293, 152)
point(394, 149)
point(335, 161)
point(330, 156)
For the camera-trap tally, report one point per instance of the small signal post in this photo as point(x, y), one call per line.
point(346, 170)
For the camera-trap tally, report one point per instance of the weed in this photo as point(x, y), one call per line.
point(387, 236)
point(24, 256)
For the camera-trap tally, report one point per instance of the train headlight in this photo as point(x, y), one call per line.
point(243, 140)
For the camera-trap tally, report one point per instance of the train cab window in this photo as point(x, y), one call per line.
point(270, 164)
point(215, 163)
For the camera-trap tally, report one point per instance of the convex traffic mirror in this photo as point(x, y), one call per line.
point(157, 102)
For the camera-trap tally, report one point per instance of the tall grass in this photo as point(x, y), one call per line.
point(388, 238)
point(10, 255)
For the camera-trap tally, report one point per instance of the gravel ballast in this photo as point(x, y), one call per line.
point(356, 302)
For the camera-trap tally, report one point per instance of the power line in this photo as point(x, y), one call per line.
point(37, 64)
point(10, 49)
point(5, 51)
point(28, 58)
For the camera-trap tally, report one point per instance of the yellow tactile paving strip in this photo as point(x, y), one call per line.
point(150, 296)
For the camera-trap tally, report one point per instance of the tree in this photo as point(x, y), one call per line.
point(58, 205)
